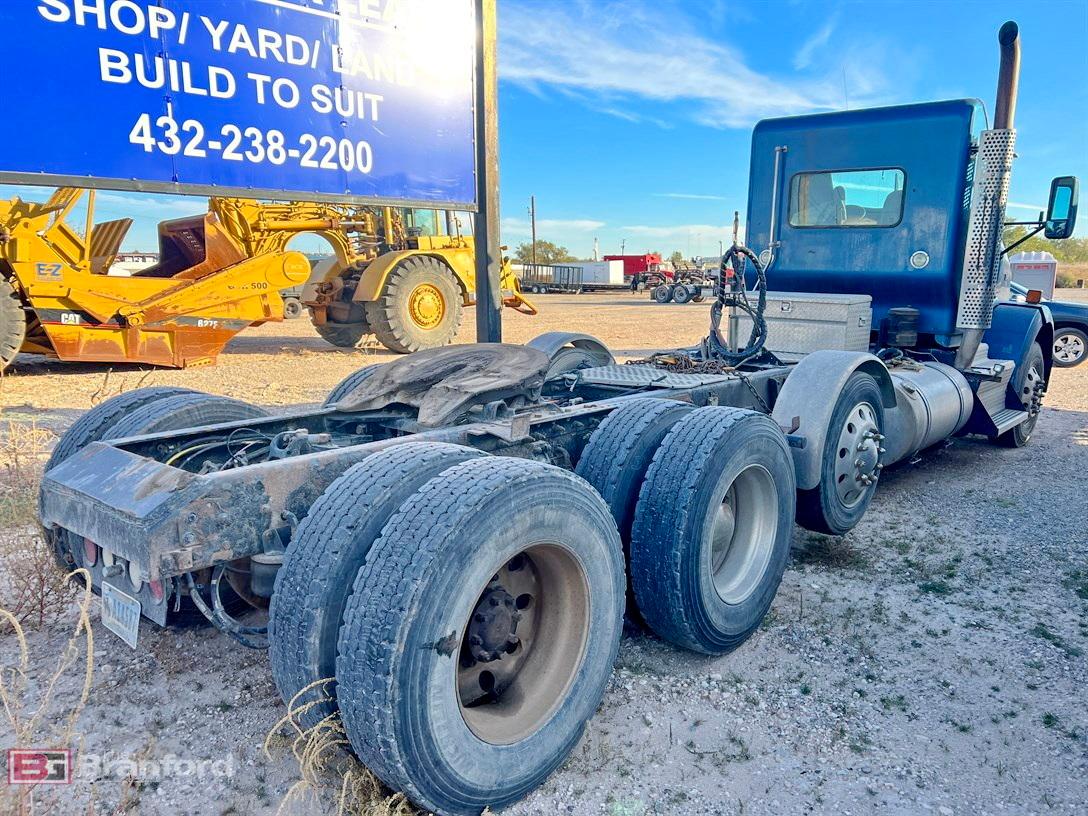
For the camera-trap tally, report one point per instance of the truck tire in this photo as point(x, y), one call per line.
point(682, 294)
point(12, 323)
point(419, 306)
point(92, 426)
point(712, 528)
point(837, 504)
point(292, 308)
point(616, 459)
point(662, 293)
point(1070, 347)
point(324, 556)
point(418, 708)
point(1028, 376)
point(570, 352)
point(349, 383)
point(343, 335)
point(191, 410)
point(146, 411)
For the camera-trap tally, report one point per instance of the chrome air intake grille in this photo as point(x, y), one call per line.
point(981, 260)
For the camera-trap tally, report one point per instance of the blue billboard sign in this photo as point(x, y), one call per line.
point(320, 99)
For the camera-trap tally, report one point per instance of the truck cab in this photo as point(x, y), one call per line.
point(906, 205)
point(869, 201)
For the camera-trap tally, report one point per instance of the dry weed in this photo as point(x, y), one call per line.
point(109, 389)
point(36, 712)
point(33, 589)
point(23, 451)
point(328, 772)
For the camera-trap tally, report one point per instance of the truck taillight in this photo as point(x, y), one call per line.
point(157, 591)
point(90, 553)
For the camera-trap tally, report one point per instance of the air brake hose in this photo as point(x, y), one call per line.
point(736, 297)
point(219, 618)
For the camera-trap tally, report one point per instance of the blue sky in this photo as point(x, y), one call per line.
point(630, 119)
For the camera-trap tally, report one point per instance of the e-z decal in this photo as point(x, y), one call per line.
point(49, 271)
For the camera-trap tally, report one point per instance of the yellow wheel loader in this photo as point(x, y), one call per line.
point(223, 271)
point(403, 275)
point(57, 298)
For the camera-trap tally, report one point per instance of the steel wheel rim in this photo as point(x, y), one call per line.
point(427, 306)
point(857, 455)
point(742, 535)
point(1069, 348)
point(1032, 396)
point(516, 666)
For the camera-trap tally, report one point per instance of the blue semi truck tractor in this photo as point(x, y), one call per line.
point(447, 547)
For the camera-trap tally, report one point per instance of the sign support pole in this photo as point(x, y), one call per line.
point(488, 252)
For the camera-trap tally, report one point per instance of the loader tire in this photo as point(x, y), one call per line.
point(712, 528)
point(349, 383)
point(419, 306)
point(92, 426)
point(323, 558)
point(343, 335)
point(438, 569)
point(837, 504)
point(12, 323)
point(616, 459)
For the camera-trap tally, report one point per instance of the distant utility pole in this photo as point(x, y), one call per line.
point(532, 220)
point(623, 247)
point(596, 249)
point(721, 247)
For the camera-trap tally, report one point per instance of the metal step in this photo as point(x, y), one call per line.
point(1008, 419)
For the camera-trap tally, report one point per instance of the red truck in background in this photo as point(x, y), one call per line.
point(646, 269)
point(637, 264)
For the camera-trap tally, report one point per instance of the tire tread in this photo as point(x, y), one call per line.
point(384, 593)
point(682, 462)
point(323, 539)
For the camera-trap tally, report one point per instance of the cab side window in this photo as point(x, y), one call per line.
point(847, 198)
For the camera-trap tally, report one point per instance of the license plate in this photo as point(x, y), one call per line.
point(121, 614)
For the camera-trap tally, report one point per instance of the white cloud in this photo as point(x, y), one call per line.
point(618, 52)
point(804, 56)
point(657, 232)
point(680, 231)
point(521, 226)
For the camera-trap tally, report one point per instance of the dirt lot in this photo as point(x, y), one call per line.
point(933, 661)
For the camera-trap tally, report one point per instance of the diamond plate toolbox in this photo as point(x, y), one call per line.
point(799, 323)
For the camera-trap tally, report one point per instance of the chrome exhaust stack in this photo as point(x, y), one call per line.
point(1008, 78)
point(989, 197)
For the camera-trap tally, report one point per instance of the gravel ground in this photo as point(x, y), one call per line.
point(932, 661)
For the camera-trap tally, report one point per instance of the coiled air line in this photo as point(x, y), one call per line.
point(732, 295)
